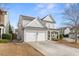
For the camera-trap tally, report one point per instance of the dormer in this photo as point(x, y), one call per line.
point(48, 21)
point(48, 18)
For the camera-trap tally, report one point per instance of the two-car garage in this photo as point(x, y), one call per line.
point(30, 36)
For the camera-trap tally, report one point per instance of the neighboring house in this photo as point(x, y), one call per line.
point(72, 34)
point(64, 30)
point(35, 29)
point(4, 22)
point(68, 31)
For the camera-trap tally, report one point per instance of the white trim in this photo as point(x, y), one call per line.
point(47, 34)
point(35, 25)
point(35, 31)
point(50, 34)
point(1, 31)
point(48, 19)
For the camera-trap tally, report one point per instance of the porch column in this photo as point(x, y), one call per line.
point(1, 33)
point(50, 34)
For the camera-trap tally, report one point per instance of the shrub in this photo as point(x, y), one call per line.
point(4, 41)
point(61, 36)
point(7, 36)
point(55, 38)
point(66, 35)
point(14, 36)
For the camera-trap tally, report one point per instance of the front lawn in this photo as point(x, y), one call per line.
point(67, 43)
point(18, 49)
point(4, 40)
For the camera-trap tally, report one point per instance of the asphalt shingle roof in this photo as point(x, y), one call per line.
point(27, 17)
point(50, 17)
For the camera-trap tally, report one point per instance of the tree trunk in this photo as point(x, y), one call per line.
point(75, 36)
point(75, 40)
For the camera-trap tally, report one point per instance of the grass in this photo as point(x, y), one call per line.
point(67, 43)
point(4, 40)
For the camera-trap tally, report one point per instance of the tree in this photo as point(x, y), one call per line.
point(71, 14)
point(10, 29)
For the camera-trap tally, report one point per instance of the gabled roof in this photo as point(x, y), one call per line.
point(22, 17)
point(52, 20)
point(37, 28)
point(26, 17)
point(35, 23)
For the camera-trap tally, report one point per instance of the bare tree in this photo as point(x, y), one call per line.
point(71, 14)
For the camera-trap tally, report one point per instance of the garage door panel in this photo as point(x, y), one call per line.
point(30, 36)
point(41, 36)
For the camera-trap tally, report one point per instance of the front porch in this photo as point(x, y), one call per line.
point(53, 34)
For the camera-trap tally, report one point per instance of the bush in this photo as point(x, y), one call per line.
point(66, 35)
point(4, 41)
point(14, 36)
point(61, 36)
point(7, 36)
point(55, 39)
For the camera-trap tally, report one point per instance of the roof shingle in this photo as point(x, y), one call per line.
point(27, 17)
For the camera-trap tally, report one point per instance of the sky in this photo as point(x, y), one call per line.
point(35, 10)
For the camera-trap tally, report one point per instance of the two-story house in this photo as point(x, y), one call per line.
point(4, 22)
point(35, 29)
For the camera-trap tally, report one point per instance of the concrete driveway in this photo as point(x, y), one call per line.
point(50, 48)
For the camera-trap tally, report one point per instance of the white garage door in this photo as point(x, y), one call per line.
point(41, 36)
point(34, 36)
point(30, 36)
